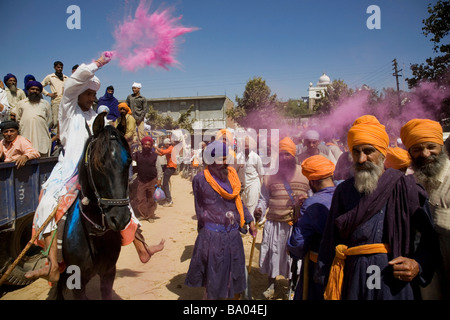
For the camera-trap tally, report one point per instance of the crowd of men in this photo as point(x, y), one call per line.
point(363, 218)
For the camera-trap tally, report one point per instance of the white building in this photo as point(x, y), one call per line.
point(315, 93)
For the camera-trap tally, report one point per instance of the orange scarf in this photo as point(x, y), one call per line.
point(333, 289)
point(235, 185)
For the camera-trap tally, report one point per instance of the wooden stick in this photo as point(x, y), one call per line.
point(251, 255)
point(27, 247)
point(306, 276)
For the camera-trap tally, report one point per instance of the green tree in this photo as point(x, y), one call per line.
point(185, 121)
point(438, 25)
point(336, 91)
point(158, 121)
point(294, 108)
point(436, 69)
point(257, 106)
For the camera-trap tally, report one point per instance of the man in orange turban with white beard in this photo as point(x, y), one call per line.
point(280, 196)
point(368, 250)
point(425, 142)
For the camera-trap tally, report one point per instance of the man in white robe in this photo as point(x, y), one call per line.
point(253, 172)
point(75, 113)
point(5, 108)
point(34, 116)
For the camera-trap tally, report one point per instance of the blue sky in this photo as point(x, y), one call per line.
point(289, 43)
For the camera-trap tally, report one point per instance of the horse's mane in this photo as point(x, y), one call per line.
point(100, 148)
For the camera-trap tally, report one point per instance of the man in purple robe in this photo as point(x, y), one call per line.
point(218, 260)
point(373, 222)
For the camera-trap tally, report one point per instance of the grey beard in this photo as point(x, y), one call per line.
point(12, 88)
point(366, 180)
point(426, 173)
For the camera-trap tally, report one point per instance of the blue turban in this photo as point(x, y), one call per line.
point(9, 76)
point(27, 78)
point(33, 84)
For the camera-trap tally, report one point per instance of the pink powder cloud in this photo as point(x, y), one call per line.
point(148, 39)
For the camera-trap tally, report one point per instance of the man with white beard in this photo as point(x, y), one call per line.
point(368, 250)
point(13, 93)
point(431, 165)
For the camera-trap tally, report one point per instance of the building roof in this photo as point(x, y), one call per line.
point(190, 98)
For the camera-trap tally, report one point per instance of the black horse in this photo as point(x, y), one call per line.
point(92, 240)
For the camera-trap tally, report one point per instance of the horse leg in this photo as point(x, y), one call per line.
point(107, 282)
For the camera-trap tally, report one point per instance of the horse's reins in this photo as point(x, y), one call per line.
point(102, 202)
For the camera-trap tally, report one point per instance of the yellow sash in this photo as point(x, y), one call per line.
point(235, 185)
point(336, 278)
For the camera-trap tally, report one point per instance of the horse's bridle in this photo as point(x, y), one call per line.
point(101, 201)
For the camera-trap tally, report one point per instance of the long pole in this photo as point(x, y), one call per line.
point(396, 75)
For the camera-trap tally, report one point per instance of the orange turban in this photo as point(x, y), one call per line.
point(368, 130)
point(421, 130)
point(286, 144)
point(397, 158)
point(227, 133)
point(317, 167)
point(123, 105)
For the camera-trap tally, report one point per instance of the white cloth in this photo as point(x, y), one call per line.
point(34, 120)
point(73, 135)
point(4, 114)
point(274, 259)
point(253, 172)
point(136, 85)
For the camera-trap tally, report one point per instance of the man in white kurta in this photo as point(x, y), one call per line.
point(5, 108)
point(56, 81)
point(73, 117)
point(13, 94)
point(34, 116)
point(253, 172)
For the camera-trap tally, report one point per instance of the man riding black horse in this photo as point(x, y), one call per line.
point(76, 118)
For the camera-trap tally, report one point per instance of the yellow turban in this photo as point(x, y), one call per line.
point(225, 132)
point(123, 105)
point(397, 158)
point(368, 130)
point(421, 130)
point(286, 144)
point(317, 167)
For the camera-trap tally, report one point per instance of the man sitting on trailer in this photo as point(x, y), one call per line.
point(14, 147)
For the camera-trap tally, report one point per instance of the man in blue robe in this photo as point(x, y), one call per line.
point(307, 231)
point(111, 102)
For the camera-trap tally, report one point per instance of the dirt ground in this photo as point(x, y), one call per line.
point(162, 278)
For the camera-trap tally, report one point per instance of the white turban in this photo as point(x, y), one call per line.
point(136, 85)
point(93, 84)
point(166, 141)
point(102, 108)
point(311, 135)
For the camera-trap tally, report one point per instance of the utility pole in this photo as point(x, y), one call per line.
point(396, 75)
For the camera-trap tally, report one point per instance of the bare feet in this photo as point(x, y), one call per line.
point(145, 252)
point(49, 273)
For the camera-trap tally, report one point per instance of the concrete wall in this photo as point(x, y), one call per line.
point(209, 111)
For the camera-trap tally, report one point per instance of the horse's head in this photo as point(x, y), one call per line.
point(103, 173)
